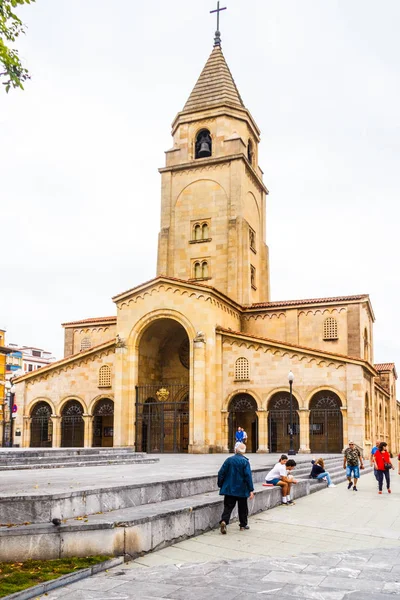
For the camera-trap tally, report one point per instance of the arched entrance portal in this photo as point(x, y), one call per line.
point(279, 422)
point(41, 426)
point(326, 423)
point(103, 423)
point(72, 425)
point(162, 393)
point(242, 413)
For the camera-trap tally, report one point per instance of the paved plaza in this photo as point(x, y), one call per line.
point(171, 466)
point(332, 545)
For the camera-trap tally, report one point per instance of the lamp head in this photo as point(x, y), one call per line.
point(290, 377)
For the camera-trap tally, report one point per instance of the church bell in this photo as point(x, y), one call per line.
point(204, 149)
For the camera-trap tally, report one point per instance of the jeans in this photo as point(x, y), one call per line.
point(328, 477)
point(229, 505)
point(380, 475)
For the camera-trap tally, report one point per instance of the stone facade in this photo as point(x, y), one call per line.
point(201, 349)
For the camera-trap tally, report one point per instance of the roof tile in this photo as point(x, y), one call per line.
point(215, 86)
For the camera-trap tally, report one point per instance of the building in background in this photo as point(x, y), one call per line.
point(5, 413)
point(25, 359)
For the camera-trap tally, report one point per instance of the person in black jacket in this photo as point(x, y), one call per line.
point(236, 485)
point(318, 472)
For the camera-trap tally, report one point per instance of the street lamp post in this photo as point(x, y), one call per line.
point(292, 451)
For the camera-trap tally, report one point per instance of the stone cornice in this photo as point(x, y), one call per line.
point(178, 284)
point(210, 162)
point(252, 339)
point(65, 362)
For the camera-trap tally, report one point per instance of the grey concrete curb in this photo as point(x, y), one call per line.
point(43, 588)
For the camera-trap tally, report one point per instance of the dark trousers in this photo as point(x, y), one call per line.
point(380, 475)
point(229, 505)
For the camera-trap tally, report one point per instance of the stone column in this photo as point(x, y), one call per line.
point(56, 420)
point(304, 422)
point(26, 432)
point(343, 410)
point(262, 415)
point(198, 404)
point(88, 424)
point(225, 430)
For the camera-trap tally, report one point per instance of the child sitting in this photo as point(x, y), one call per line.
point(318, 472)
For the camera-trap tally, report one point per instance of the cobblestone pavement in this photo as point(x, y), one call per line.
point(332, 545)
point(359, 575)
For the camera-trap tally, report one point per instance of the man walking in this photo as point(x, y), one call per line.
point(371, 458)
point(236, 485)
point(352, 462)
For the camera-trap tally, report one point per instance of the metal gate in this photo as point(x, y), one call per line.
point(326, 424)
point(162, 418)
point(41, 426)
point(279, 430)
point(279, 422)
point(72, 425)
point(242, 409)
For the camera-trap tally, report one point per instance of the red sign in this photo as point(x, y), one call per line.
point(14, 408)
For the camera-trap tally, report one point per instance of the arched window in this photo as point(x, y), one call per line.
point(204, 269)
point(250, 152)
point(252, 239)
point(330, 329)
point(197, 270)
point(203, 145)
point(242, 371)
point(85, 344)
point(201, 231)
point(104, 376)
point(197, 232)
point(253, 277)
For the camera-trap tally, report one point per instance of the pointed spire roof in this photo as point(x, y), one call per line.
point(215, 86)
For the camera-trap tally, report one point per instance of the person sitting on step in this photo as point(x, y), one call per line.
point(318, 472)
point(280, 475)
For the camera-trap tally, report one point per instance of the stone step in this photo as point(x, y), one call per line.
point(43, 507)
point(137, 530)
point(44, 462)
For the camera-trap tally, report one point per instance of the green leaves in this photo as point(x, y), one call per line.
point(11, 27)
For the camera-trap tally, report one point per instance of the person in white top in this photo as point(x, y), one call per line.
point(280, 475)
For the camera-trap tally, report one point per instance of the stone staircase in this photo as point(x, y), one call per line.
point(51, 458)
point(131, 520)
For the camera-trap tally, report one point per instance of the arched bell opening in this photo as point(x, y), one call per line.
point(72, 425)
point(203, 144)
point(41, 426)
point(279, 423)
point(162, 393)
point(326, 423)
point(242, 413)
point(103, 423)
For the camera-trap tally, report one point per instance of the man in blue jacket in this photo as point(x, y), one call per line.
point(236, 485)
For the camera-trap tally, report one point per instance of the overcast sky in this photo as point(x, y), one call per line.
point(80, 149)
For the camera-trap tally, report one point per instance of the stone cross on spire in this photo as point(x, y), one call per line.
point(217, 39)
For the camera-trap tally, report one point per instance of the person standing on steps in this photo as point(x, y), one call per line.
point(371, 458)
point(239, 436)
point(383, 464)
point(352, 462)
point(236, 485)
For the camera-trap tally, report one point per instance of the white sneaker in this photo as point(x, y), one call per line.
point(332, 485)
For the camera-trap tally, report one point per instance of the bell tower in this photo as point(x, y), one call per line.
point(213, 199)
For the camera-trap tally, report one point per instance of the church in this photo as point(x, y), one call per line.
point(202, 349)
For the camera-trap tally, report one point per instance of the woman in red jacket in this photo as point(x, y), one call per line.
point(383, 464)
